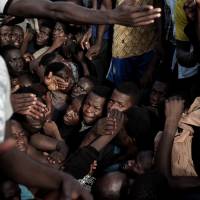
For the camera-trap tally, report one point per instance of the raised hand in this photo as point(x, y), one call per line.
point(93, 51)
point(129, 14)
point(174, 108)
point(27, 104)
point(85, 42)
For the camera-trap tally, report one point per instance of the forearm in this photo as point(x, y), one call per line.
point(61, 11)
point(90, 137)
point(24, 170)
point(43, 142)
point(163, 157)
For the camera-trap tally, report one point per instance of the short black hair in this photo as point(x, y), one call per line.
point(48, 23)
point(18, 27)
point(48, 58)
point(25, 90)
point(139, 126)
point(4, 50)
point(102, 91)
point(54, 67)
point(130, 89)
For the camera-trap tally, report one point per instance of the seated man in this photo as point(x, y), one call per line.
point(92, 110)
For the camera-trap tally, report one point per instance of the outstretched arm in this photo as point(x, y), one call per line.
point(125, 14)
point(23, 170)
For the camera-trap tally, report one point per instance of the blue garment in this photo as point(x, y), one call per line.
point(25, 193)
point(106, 36)
point(129, 69)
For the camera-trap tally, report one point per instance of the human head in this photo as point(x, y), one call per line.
point(10, 190)
point(158, 93)
point(111, 186)
point(59, 30)
point(83, 87)
point(123, 97)
point(14, 60)
point(19, 134)
point(17, 36)
point(33, 125)
point(72, 115)
point(142, 164)
point(44, 36)
point(60, 70)
point(5, 35)
point(94, 104)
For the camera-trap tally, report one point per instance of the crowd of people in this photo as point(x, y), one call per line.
point(102, 101)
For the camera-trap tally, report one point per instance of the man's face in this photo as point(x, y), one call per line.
point(43, 36)
point(93, 108)
point(5, 35)
point(58, 31)
point(17, 37)
point(10, 191)
point(119, 101)
point(15, 61)
point(83, 87)
point(158, 93)
point(71, 116)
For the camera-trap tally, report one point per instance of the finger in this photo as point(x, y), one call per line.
point(40, 104)
point(145, 19)
point(149, 14)
point(7, 146)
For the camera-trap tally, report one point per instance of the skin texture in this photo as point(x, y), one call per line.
point(158, 93)
point(173, 110)
point(5, 35)
point(93, 108)
point(125, 14)
point(83, 87)
point(119, 101)
point(17, 36)
point(43, 36)
point(15, 62)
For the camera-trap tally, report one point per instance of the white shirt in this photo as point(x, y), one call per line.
point(5, 103)
point(2, 5)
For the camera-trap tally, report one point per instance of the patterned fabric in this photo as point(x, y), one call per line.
point(5, 103)
point(129, 69)
point(180, 21)
point(133, 41)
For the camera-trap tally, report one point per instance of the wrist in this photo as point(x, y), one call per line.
point(111, 16)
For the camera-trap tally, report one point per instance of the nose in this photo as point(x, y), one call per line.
point(89, 109)
point(114, 106)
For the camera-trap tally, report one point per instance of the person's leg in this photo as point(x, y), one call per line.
point(101, 62)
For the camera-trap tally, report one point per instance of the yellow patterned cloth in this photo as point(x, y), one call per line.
point(133, 41)
point(180, 21)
